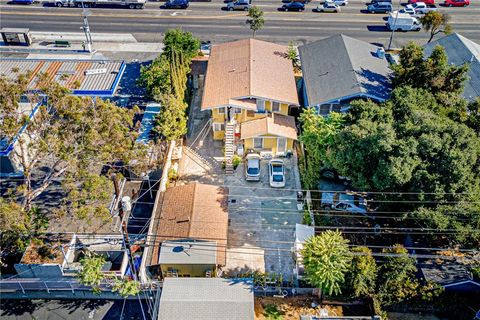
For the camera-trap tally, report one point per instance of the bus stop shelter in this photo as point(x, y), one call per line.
point(16, 36)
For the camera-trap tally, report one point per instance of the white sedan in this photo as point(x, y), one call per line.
point(328, 6)
point(339, 2)
point(276, 170)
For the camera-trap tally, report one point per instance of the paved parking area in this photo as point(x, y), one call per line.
point(262, 222)
point(262, 219)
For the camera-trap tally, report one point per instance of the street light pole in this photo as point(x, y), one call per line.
point(86, 29)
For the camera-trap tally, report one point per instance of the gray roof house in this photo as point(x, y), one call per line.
point(451, 276)
point(461, 50)
point(206, 299)
point(339, 69)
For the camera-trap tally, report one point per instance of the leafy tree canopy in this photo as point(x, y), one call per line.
point(69, 137)
point(434, 73)
point(362, 273)
point(436, 22)
point(255, 19)
point(404, 145)
point(326, 259)
point(180, 41)
point(171, 123)
point(318, 136)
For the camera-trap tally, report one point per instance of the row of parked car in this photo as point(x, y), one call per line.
point(414, 7)
point(276, 170)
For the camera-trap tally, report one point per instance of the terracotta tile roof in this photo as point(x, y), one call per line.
point(248, 68)
point(193, 211)
point(274, 124)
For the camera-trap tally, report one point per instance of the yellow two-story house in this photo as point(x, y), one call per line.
point(252, 80)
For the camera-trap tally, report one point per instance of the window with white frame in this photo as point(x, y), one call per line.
point(218, 126)
point(237, 110)
point(221, 110)
point(275, 106)
point(260, 106)
point(257, 143)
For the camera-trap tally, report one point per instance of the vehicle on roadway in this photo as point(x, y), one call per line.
point(423, 8)
point(376, 1)
point(276, 172)
point(303, 1)
point(132, 4)
point(252, 167)
point(380, 7)
point(456, 3)
point(328, 6)
point(239, 5)
point(408, 9)
point(293, 6)
point(402, 22)
point(22, 1)
point(430, 2)
point(176, 4)
point(339, 2)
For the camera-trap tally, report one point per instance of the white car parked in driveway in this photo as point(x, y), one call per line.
point(252, 167)
point(276, 172)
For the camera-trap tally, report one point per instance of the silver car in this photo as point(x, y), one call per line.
point(252, 167)
point(328, 6)
point(239, 5)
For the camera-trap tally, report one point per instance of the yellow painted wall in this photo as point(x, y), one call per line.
point(218, 135)
point(194, 270)
point(217, 117)
point(269, 142)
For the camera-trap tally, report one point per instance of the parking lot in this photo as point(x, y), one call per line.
point(262, 221)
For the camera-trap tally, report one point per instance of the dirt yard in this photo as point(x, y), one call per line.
point(292, 308)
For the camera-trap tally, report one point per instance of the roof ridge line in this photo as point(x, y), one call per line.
point(349, 57)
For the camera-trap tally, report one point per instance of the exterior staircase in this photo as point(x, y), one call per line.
point(229, 147)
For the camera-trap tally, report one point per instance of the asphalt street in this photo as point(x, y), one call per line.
point(209, 21)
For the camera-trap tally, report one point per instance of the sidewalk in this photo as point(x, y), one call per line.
point(44, 43)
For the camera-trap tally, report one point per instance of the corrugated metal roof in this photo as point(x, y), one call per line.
point(69, 73)
point(206, 299)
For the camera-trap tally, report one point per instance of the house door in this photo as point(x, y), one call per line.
point(281, 145)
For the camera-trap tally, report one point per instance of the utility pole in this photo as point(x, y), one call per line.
point(125, 238)
point(394, 26)
point(86, 29)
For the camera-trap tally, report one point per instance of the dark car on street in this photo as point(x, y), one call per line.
point(176, 4)
point(293, 6)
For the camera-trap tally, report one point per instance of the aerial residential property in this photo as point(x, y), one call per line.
point(239, 160)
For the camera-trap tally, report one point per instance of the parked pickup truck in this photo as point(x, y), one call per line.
point(423, 8)
point(344, 202)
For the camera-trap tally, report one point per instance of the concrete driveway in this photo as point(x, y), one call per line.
point(262, 222)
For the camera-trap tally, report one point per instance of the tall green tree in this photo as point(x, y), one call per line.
point(171, 123)
point(396, 279)
point(180, 41)
point(434, 73)
point(255, 20)
point(156, 78)
point(409, 146)
point(362, 275)
point(436, 22)
point(326, 259)
point(318, 136)
point(69, 137)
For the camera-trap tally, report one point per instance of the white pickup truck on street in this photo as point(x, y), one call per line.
point(423, 8)
point(340, 201)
